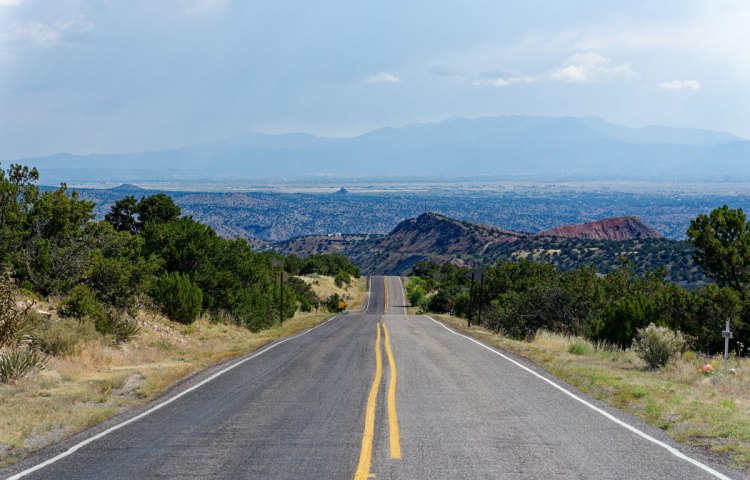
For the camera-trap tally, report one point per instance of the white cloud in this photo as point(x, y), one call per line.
point(39, 34)
point(580, 68)
point(36, 34)
point(504, 81)
point(711, 32)
point(383, 77)
point(571, 73)
point(10, 3)
point(590, 67)
point(680, 85)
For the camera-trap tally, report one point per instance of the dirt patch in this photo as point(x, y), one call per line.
point(129, 390)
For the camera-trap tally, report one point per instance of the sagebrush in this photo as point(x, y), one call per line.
point(657, 345)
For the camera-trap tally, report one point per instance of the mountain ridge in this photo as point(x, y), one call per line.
point(556, 147)
point(441, 239)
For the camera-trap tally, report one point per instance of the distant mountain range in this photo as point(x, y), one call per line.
point(442, 239)
point(505, 146)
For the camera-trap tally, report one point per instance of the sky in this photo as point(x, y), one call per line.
point(105, 76)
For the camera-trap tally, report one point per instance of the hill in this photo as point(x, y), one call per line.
point(430, 236)
point(441, 239)
point(549, 147)
point(127, 187)
point(621, 228)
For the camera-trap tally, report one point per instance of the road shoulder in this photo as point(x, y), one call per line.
point(500, 344)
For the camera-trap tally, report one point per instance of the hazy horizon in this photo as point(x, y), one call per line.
point(86, 76)
point(376, 129)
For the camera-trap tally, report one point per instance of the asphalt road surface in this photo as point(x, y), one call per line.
point(374, 395)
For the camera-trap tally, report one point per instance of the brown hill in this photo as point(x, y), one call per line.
point(620, 228)
point(433, 236)
point(430, 235)
point(445, 240)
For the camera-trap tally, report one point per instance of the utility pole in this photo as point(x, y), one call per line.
point(727, 334)
point(281, 299)
point(471, 299)
point(472, 294)
point(481, 298)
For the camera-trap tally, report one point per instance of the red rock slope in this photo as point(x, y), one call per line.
point(621, 228)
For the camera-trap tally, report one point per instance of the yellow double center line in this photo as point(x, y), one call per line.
point(365, 455)
point(395, 438)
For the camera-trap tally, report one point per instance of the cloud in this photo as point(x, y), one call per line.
point(383, 77)
point(504, 81)
point(10, 3)
point(713, 32)
point(680, 85)
point(36, 34)
point(39, 34)
point(580, 68)
point(590, 67)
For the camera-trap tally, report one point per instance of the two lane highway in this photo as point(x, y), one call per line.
point(380, 395)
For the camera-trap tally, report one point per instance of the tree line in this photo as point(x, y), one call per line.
point(143, 252)
point(519, 298)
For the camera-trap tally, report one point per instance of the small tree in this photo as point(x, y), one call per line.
point(122, 215)
point(342, 278)
point(415, 291)
point(178, 297)
point(157, 208)
point(722, 246)
point(657, 345)
point(80, 303)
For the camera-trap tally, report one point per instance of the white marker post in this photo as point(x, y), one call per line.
point(727, 334)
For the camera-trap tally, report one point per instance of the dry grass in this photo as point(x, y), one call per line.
point(712, 412)
point(99, 380)
point(354, 294)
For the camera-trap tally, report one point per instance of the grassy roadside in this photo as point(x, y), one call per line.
point(353, 294)
point(99, 380)
point(711, 412)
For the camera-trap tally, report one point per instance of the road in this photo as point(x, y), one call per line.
point(375, 395)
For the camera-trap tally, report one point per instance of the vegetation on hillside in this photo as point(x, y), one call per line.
point(675, 258)
point(143, 253)
point(522, 297)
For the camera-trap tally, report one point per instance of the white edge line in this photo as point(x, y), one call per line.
point(151, 410)
point(403, 294)
point(369, 286)
point(648, 437)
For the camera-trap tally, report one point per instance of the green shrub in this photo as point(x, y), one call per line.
point(80, 303)
point(578, 348)
point(333, 303)
point(415, 294)
point(342, 278)
point(19, 363)
point(657, 345)
point(178, 297)
point(440, 302)
point(61, 337)
point(15, 324)
point(121, 328)
point(304, 294)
